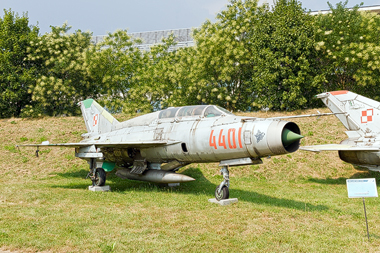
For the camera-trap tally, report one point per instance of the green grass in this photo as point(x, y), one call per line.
point(292, 203)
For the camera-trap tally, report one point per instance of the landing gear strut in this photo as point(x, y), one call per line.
point(97, 175)
point(222, 191)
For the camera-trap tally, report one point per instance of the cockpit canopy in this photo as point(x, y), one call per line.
point(184, 112)
point(194, 110)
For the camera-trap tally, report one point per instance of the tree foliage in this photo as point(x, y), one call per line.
point(285, 75)
point(222, 66)
point(252, 57)
point(114, 65)
point(157, 78)
point(134, 80)
point(349, 50)
point(63, 78)
point(16, 71)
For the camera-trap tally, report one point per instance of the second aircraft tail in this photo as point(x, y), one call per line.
point(356, 112)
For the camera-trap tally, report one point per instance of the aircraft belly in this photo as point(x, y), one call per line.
point(119, 156)
point(360, 157)
point(142, 134)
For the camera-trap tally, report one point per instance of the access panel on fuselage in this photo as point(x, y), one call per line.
point(172, 130)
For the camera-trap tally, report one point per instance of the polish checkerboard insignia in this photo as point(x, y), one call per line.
point(367, 116)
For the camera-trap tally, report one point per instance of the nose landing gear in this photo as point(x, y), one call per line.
point(222, 191)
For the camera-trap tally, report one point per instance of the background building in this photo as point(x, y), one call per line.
point(183, 36)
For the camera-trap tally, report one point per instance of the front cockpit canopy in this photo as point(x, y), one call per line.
point(194, 110)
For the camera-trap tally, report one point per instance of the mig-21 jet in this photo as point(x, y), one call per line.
point(152, 147)
point(361, 117)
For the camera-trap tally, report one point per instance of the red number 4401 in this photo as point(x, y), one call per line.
point(222, 142)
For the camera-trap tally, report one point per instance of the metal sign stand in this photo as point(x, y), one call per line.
point(366, 221)
point(362, 188)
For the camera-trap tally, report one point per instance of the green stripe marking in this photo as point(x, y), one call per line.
point(87, 103)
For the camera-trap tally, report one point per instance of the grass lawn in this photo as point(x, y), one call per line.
point(292, 203)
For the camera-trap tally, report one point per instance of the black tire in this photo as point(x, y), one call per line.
point(100, 177)
point(224, 193)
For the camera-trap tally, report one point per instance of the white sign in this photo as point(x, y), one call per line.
point(361, 188)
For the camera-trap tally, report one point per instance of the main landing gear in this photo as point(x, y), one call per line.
point(222, 191)
point(97, 175)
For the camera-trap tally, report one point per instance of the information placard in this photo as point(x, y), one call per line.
point(361, 188)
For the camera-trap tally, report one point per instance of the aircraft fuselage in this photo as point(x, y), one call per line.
point(200, 140)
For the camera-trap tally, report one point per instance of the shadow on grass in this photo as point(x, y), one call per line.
point(201, 186)
point(342, 180)
point(73, 174)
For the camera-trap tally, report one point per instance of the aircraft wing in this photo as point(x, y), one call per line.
point(337, 147)
point(131, 144)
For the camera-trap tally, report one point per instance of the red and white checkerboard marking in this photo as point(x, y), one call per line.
point(367, 116)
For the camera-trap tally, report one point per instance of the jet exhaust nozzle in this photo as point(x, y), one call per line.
point(282, 137)
point(155, 176)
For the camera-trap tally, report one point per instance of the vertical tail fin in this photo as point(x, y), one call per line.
point(361, 114)
point(97, 119)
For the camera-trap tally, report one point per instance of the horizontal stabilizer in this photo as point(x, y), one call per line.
point(336, 147)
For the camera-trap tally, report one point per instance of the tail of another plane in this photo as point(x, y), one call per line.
point(357, 113)
point(97, 119)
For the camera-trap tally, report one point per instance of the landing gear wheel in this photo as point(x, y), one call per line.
point(223, 194)
point(99, 177)
point(222, 191)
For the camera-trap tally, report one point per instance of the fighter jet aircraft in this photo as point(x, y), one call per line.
point(361, 117)
point(154, 146)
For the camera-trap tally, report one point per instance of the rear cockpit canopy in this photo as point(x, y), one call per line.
point(194, 110)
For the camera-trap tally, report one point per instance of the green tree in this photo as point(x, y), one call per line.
point(221, 65)
point(16, 71)
point(63, 76)
point(285, 75)
point(253, 57)
point(181, 70)
point(349, 51)
point(159, 78)
point(134, 80)
point(115, 65)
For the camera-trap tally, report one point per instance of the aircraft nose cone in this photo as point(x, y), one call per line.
point(288, 137)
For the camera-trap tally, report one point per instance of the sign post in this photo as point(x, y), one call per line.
point(362, 188)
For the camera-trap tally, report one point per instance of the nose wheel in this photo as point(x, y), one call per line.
point(222, 191)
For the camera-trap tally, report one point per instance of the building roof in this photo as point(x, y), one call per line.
point(183, 36)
